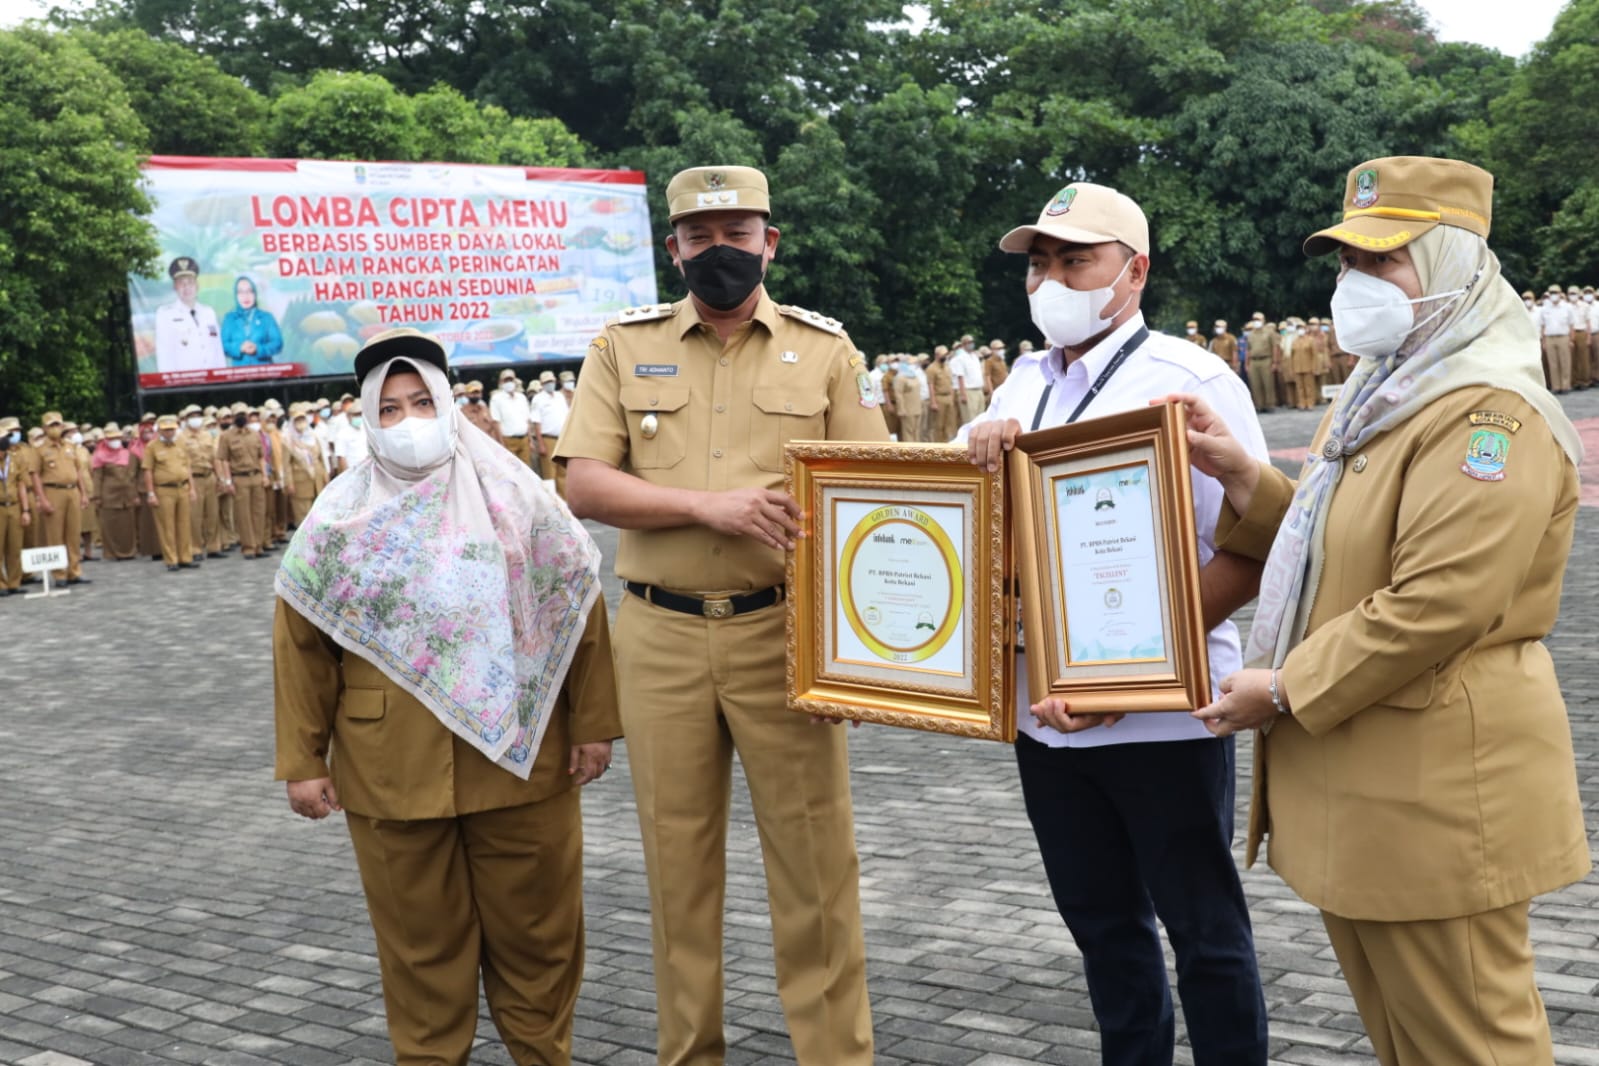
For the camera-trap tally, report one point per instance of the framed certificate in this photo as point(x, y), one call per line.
point(898, 610)
point(1108, 562)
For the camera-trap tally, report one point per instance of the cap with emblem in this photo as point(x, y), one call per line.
point(167, 422)
point(546, 375)
point(507, 375)
point(1314, 321)
point(1085, 213)
point(1191, 324)
point(1222, 322)
point(474, 388)
point(1572, 290)
point(1390, 202)
point(192, 409)
point(183, 267)
point(396, 343)
point(69, 425)
point(238, 408)
point(1025, 346)
point(148, 416)
point(700, 189)
point(1528, 295)
point(35, 434)
point(51, 418)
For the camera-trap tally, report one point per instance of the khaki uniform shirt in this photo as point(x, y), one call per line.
point(119, 487)
point(58, 463)
point(664, 399)
point(940, 383)
point(1263, 342)
point(1426, 770)
point(340, 716)
point(1225, 347)
point(1319, 341)
point(478, 415)
point(994, 372)
point(27, 461)
point(13, 479)
point(1302, 355)
point(241, 450)
point(168, 463)
point(908, 394)
point(1196, 338)
point(201, 448)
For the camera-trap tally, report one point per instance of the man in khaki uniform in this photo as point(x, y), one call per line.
point(945, 420)
point(1191, 333)
point(169, 488)
point(280, 486)
point(16, 506)
point(1302, 361)
point(205, 523)
point(241, 462)
point(66, 494)
point(995, 369)
point(1579, 338)
point(677, 436)
point(1224, 346)
point(1318, 339)
point(1262, 339)
point(908, 400)
point(477, 413)
point(890, 405)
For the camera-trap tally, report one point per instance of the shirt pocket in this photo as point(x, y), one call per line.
point(657, 424)
point(782, 415)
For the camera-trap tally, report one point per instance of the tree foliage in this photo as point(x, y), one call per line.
point(900, 151)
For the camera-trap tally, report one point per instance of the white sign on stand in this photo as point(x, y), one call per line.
point(43, 561)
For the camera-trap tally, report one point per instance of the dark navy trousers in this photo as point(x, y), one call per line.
point(1134, 832)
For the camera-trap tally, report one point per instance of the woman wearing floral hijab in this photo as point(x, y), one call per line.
point(439, 631)
point(1414, 773)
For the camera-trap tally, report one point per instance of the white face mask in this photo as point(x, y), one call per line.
point(1587, 298)
point(1069, 317)
point(76, 438)
point(416, 443)
point(194, 422)
point(1530, 305)
point(1374, 316)
point(254, 427)
point(1192, 330)
point(549, 386)
point(509, 386)
point(114, 443)
point(1220, 330)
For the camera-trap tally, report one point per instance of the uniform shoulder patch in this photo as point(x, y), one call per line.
point(813, 319)
point(1486, 453)
point(1494, 418)
point(632, 316)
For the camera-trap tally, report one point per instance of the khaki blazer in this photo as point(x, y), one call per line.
point(1426, 770)
point(390, 757)
point(1302, 355)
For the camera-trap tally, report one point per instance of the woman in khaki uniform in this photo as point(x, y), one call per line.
point(1302, 362)
point(309, 475)
point(1414, 774)
point(115, 473)
point(439, 631)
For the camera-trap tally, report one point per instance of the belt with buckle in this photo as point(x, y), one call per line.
point(714, 607)
point(48, 485)
point(245, 473)
point(170, 484)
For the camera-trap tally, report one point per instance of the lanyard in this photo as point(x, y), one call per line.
point(1099, 383)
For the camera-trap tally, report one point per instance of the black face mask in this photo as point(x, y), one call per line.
point(240, 421)
point(474, 399)
point(723, 276)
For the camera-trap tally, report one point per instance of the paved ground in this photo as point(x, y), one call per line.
point(159, 903)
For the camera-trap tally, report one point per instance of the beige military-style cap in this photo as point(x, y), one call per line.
point(36, 433)
point(1025, 346)
point(1085, 213)
point(1528, 295)
point(110, 429)
point(474, 387)
point(1314, 321)
point(167, 422)
point(95, 435)
point(567, 375)
point(239, 408)
point(458, 389)
point(507, 375)
point(1191, 324)
point(701, 189)
point(51, 418)
point(355, 406)
point(1572, 290)
point(148, 416)
point(941, 350)
point(1552, 290)
point(996, 343)
point(192, 409)
point(1390, 202)
point(9, 424)
point(1222, 322)
point(546, 375)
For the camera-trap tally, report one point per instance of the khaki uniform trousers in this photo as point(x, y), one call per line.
point(173, 524)
point(11, 545)
point(910, 428)
point(229, 530)
point(1581, 376)
point(278, 515)
point(1262, 389)
point(1459, 990)
point(1559, 363)
point(553, 469)
point(249, 511)
point(205, 517)
point(63, 527)
point(943, 422)
point(694, 691)
point(976, 404)
point(891, 419)
point(1305, 391)
point(519, 447)
point(497, 893)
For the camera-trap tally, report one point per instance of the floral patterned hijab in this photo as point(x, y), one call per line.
point(468, 584)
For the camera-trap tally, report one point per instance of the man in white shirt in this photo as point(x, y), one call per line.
point(1134, 814)
point(349, 440)
point(1554, 318)
point(514, 415)
point(187, 336)
point(967, 374)
point(550, 408)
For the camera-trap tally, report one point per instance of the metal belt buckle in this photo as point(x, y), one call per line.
point(722, 608)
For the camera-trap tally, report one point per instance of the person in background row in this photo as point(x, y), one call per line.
point(568, 386)
point(457, 762)
point(16, 506)
point(510, 410)
point(169, 488)
point(250, 334)
point(477, 412)
point(908, 400)
point(1318, 339)
point(279, 486)
point(1555, 317)
point(89, 528)
point(241, 462)
point(1302, 359)
point(149, 538)
point(966, 377)
point(66, 494)
point(309, 476)
point(995, 368)
point(1579, 338)
point(27, 456)
point(1224, 346)
point(1414, 771)
point(115, 474)
point(885, 388)
point(553, 410)
point(941, 412)
point(205, 523)
point(1191, 333)
point(350, 445)
point(1261, 339)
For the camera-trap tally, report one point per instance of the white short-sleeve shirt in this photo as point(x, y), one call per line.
point(1159, 366)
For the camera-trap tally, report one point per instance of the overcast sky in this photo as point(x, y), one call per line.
point(1483, 21)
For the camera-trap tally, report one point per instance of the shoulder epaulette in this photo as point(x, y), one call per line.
point(812, 318)
point(645, 313)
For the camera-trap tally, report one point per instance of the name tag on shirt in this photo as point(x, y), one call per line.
point(655, 370)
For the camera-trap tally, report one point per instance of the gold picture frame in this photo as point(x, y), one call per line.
point(899, 610)
point(1108, 562)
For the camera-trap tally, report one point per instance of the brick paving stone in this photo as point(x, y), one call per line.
point(160, 905)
